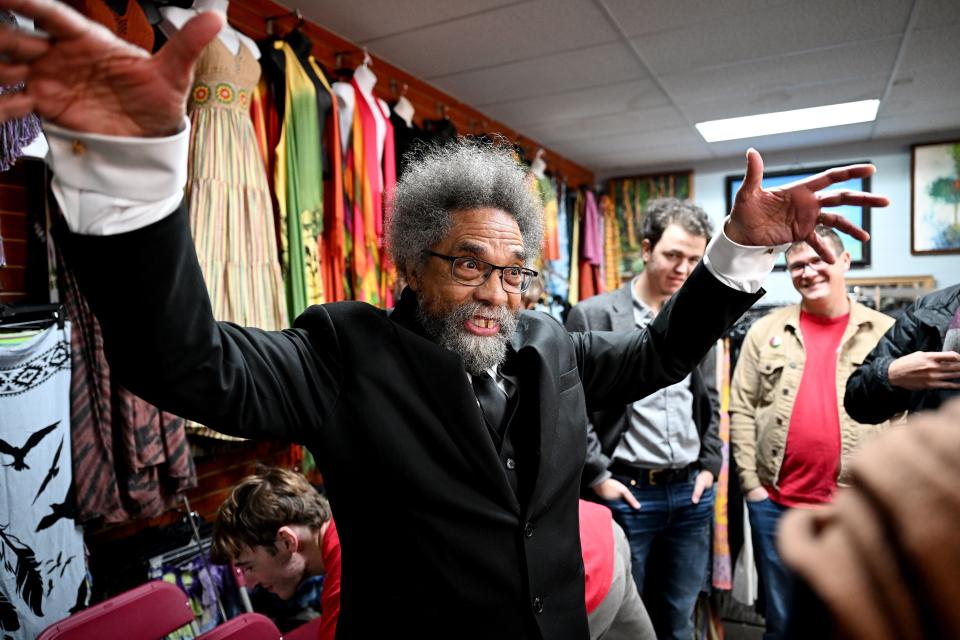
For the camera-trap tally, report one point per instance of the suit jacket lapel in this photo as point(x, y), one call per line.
point(443, 375)
point(621, 314)
point(535, 372)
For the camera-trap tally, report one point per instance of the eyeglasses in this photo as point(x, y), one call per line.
point(816, 265)
point(473, 272)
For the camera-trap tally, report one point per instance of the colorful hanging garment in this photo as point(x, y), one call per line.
point(373, 276)
point(629, 217)
point(258, 116)
point(300, 172)
point(577, 218)
point(264, 111)
point(612, 253)
point(722, 560)
point(227, 193)
point(591, 252)
point(130, 460)
point(333, 250)
point(558, 271)
point(42, 562)
point(551, 239)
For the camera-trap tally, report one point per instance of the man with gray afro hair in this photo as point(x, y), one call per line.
point(463, 174)
point(451, 430)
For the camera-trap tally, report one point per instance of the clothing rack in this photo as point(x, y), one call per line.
point(250, 17)
point(197, 547)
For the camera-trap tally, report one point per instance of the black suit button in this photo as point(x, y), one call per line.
point(538, 605)
point(511, 464)
point(528, 530)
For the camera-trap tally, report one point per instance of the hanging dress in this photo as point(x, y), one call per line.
point(298, 180)
point(369, 180)
point(42, 562)
point(612, 253)
point(227, 193)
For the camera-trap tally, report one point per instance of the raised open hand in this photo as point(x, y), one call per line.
point(768, 217)
point(84, 78)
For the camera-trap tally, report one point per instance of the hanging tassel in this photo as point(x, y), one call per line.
point(15, 134)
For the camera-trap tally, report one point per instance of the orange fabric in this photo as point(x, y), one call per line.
point(132, 25)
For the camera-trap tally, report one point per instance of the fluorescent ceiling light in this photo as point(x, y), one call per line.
point(766, 124)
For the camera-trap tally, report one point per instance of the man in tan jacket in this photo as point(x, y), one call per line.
point(791, 438)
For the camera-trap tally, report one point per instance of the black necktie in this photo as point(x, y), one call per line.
point(493, 401)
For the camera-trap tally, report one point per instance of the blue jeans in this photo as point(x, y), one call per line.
point(776, 579)
point(679, 533)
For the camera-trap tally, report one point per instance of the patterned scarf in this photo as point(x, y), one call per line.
point(17, 133)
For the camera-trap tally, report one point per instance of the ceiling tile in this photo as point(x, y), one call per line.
point(604, 128)
point(647, 159)
point(786, 73)
point(937, 13)
point(544, 77)
point(936, 88)
point(652, 16)
point(582, 103)
point(362, 20)
point(919, 123)
point(772, 32)
point(510, 34)
point(557, 71)
point(799, 97)
point(931, 47)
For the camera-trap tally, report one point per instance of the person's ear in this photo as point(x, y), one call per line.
point(287, 539)
point(412, 274)
point(646, 250)
point(845, 259)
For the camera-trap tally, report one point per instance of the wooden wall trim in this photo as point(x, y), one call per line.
point(248, 16)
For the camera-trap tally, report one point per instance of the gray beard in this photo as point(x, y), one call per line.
point(479, 353)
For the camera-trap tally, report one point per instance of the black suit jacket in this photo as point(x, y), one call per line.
point(434, 540)
point(613, 311)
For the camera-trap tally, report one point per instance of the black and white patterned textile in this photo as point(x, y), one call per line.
point(42, 564)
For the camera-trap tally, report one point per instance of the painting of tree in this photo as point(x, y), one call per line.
point(936, 198)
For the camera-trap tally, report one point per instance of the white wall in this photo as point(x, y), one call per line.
point(890, 227)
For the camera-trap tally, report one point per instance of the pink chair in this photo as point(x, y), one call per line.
point(308, 631)
point(246, 626)
point(150, 611)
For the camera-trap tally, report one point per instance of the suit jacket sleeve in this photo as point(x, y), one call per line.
point(870, 398)
point(711, 447)
point(617, 368)
point(162, 341)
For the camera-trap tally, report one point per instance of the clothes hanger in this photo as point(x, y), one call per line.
point(31, 316)
point(343, 72)
point(270, 21)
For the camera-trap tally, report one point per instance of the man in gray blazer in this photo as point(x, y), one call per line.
point(663, 451)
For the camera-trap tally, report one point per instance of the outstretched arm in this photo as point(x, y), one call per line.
point(84, 78)
point(781, 215)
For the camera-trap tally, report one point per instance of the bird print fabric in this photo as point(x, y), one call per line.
point(42, 564)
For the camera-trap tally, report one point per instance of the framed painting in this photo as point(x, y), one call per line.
point(860, 216)
point(935, 198)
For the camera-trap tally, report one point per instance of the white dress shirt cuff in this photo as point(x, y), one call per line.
point(740, 267)
point(107, 185)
